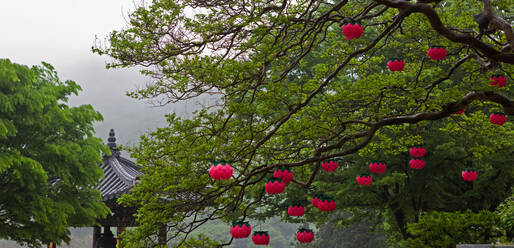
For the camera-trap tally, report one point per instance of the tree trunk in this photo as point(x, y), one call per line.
point(163, 236)
point(400, 218)
point(119, 230)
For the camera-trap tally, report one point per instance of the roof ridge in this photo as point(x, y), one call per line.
point(121, 172)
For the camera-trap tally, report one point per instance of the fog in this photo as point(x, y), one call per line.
point(62, 32)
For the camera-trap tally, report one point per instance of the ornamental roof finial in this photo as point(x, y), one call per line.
point(111, 140)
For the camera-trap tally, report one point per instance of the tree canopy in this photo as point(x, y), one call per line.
point(48, 157)
point(292, 92)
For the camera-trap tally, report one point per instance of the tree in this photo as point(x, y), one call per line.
point(49, 157)
point(443, 229)
point(506, 214)
point(291, 91)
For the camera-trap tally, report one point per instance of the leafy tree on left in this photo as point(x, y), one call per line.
point(48, 157)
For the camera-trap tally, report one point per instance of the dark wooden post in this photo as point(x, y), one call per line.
point(119, 230)
point(96, 234)
point(163, 236)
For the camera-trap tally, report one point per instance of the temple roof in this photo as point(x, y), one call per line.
point(119, 172)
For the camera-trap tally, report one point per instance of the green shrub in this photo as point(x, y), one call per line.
point(447, 229)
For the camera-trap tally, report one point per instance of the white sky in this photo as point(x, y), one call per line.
point(61, 32)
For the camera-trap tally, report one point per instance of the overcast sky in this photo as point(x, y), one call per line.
point(61, 32)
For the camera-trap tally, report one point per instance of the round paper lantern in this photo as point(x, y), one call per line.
point(417, 164)
point(329, 165)
point(315, 200)
point(326, 204)
point(417, 151)
point(352, 29)
point(460, 111)
point(498, 118)
point(364, 179)
point(275, 186)
point(305, 235)
point(260, 238)
point(396, 64)
point(240, 229)
point(437, 52)
point(377, 167)
point(284, 173)
point(498, 80)
point(296, 210)
point(221, 170)
point(469, 175)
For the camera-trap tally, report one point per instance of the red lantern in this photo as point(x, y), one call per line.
point(326, 204)
point(305, 235)
point(364, 179)
point(437, 52)
point(275, 186)
point(396, 64)
point(417, 151)
point(329, 165)
point(469, 175)
point(240, 229)
point(498, 118)
point(498, 80)
point(352, 30)
point(377, 167)
point(260, 238)
point(296, 210)
point(221, 170)
point(460, 111)
point(284, 173)
point(417, 164)
point(315, 200)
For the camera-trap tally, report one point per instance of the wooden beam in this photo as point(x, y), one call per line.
point(96, 234)
point(51, 245)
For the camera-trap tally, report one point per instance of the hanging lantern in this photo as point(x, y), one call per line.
point(417, 151)
point(352, 29)
point(296, 210)
point(377, 167)
point(284, 173)
point(396, 64)
point(240, 229)
point(498, 80)
point(437, 52)
point(326, 204)
point(305, 235)
point(469, 175)
point(221, 170)
point(260, 238)
point(275, 186)
point(498, 118)
point(364, 179)
point(417, 164)
point(329, 165)
point(460, 111)
point(315, 200)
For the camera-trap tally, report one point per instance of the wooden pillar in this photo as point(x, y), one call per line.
point(163, 236)
point(52, 245)
point(119, 230)
point(96, 234)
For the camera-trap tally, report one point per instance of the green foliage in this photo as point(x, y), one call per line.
point(48, 157)
point(447, 229)
point(506, 213)
point(291, 91)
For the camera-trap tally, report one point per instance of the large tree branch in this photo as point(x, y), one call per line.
point(447, 110)
point(498, 22)
point(439, 27)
